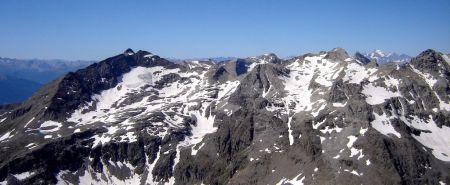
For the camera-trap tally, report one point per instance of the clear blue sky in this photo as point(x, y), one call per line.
point(82, 29)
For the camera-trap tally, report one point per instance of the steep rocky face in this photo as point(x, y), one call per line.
point(324, 118)
point(360, 57)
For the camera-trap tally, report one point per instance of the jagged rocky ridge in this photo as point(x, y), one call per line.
point(325, 118)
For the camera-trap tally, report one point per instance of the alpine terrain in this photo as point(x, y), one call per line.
point(326, 118)
point(383, 57)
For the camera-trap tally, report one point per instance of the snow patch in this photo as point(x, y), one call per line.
point(6, 136)
point(31, 120)
point(436, 138)
point(23, 176)
point(293, 181)
point(377, 95)
point(382, 124)
point(339, 104)
point(54, 126)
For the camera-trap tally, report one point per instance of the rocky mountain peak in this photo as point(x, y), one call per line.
point(143, 53)
point(430, 55)
point(338, 54)
point(431, 61)
point(128, 51)
point(268, 58)
point(378, 53)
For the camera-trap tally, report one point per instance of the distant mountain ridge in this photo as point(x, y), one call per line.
point(213, 59)
point(385, 57)
point(13, 90)
point(19, 78)
point(39, 70)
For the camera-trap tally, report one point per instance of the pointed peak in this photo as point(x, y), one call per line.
point(270, 55)
point(337, 54)
point(142, 52)
point(429, 55)
point(267, 55)
point(379, 52)
point(145, 54)
point(428, 52)
point(430, 61)
point(267, 58)
point(128, 52)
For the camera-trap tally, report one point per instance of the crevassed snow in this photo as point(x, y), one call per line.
point(382, 124)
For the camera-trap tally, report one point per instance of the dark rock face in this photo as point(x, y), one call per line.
point(360, 57)
point(337, 54)
point(315, 119)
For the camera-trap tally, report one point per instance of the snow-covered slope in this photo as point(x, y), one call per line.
point(324, 118)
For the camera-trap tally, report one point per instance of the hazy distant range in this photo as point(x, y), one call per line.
point(19, 78)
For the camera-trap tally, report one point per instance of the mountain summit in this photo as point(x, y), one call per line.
point(327, 118)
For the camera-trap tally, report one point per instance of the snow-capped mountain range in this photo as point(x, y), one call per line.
point(386, 57)
point(326, 118)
